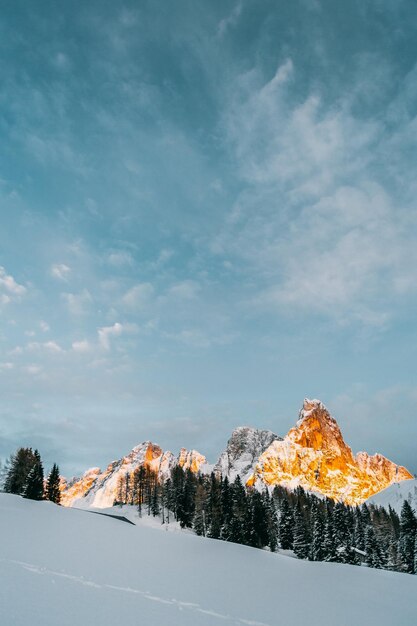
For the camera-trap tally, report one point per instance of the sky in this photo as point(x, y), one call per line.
point(208, 213)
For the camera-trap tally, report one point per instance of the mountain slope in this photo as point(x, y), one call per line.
point(99, 489)
point(68, 567)
point(395, 495)
point(315, 456)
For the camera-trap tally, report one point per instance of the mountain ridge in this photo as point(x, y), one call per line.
point(312, 455)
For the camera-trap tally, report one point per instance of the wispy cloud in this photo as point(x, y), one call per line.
point(10, 289)
point(60, 271)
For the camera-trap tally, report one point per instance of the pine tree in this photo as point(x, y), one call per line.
point(53, 492)
point(329, 543)
point(286, 524)
point(301, 545)
point(21, 464)
point(34, 487)
point(214, 508)
point(271, 521)
point(373, 550)
point(407, 537)
point(317, 548)
point(200, 514)
point(239, 523)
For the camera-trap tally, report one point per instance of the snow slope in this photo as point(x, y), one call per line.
point(66, 567)
point(395, 495)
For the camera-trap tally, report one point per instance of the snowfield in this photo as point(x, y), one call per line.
point(67, 567)
point(395, 494)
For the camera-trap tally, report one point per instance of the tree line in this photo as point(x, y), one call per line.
point(314, 528)
point(23, 475)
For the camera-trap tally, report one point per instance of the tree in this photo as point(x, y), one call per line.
point(407, 537)
point(317, 548)
point(373, 550)
point(53, 492)
point(21, 464)
point(301, 543)
point(34, 487)
point(285, 526)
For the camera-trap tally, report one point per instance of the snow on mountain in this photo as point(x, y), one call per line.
point(61, 566)
point(395, 494)
point(99, 489)
point(315, 456)
point(243, 450)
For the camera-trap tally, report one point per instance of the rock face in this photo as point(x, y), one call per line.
point(244, 448)
point(315, 456)
point(99, 489)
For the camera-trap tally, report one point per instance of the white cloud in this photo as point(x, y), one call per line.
point(187, 289)
point(81, 346)
point(6, 366)
point(48, 346)
point(32, 369)
point(107, 332)
point(139, 296)
point(10, 290)
point(120, 259)
point(78, 303)
point(315, 225)
point(60, 271)
point(44, 326)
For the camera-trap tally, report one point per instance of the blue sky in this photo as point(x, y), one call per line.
point(207, 213)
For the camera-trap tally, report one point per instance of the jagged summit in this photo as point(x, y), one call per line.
point(315, 456)
point(243, 449)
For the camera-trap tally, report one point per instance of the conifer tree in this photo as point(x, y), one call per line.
point(53, 492)
point(407, 537)
point(317, 543)
point(329, 544)
point(285, 525)
point(34, 487)
point(214, 508)
point(301, 540)
point(20, 466)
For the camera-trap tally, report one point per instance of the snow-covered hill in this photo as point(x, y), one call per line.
point(395, 495)
point(61, 566)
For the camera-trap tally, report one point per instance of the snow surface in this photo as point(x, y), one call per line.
point(67, 567)
point(395, 494)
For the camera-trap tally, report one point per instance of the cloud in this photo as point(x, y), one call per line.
point(60, 271)
point(315, 225)
point(186, 289)
point(120, 259)
point(78, 303)
point(10, 290)
point(82, 346)
point(107, 332)
point(48, 346)
point(139, 296)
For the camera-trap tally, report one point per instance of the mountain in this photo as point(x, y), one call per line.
point(99, 489)
point(243, 450)
point(394, 495)
point(69, 567)
point(314, 455)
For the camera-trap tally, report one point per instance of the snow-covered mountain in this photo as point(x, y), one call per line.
point(99, 489)
point(68, 567)
point(243, 450)
point(313, 455)
point(395, 494)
